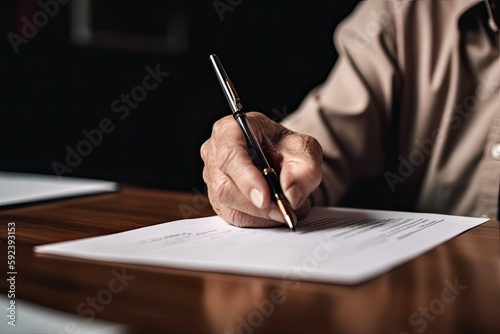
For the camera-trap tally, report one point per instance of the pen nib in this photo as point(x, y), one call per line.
point(287, 212)
point(289, 222)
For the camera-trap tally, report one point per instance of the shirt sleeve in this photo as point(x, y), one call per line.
point(350, 113)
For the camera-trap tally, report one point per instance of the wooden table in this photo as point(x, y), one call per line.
point(454, 288)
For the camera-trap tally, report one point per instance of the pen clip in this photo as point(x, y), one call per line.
point(227, 85)
point(234, 96)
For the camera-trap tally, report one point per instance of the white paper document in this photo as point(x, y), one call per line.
point(19, 188)
point(345, 246)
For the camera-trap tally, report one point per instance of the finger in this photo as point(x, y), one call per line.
point(297, 156)
point(242, 219)
point(301, 172)
point(226, 197)
point(235, 208)
point(232, 159)
point(304, 210)
point(229, 173)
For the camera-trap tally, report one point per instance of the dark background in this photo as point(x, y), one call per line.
point(56, 86)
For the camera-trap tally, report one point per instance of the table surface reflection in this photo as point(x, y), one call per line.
point(453, 288)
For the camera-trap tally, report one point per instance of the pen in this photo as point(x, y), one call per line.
point(254, 148)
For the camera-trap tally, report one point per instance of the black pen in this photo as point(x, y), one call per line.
point(254, 148)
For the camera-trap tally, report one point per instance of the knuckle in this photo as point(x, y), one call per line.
point(236, 218)
point(230, 215)
point(313, 148)
point(220, 125)
point(204, 150)
point(305, 146)
point(215, 205)
point(216, 126)
point(218, 208)
point(240, 219)
point(206, 175)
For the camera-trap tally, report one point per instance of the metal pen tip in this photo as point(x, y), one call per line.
point(289, 222)
point(287, 212)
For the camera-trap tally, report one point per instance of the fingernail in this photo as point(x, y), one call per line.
point(257, 197)
point(294, 196)
point(274, 214)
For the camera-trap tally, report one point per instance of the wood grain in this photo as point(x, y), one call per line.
point(417, 297)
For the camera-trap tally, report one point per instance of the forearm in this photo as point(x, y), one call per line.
point(350, 113)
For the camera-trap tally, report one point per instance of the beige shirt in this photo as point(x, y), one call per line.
point(411, 108)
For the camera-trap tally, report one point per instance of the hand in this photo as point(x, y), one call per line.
point(237, 189)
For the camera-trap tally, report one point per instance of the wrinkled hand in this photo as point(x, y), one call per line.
point(237, 189)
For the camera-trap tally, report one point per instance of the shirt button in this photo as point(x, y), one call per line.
point(495, 151)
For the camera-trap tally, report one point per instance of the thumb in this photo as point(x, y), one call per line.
point(301, 171)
